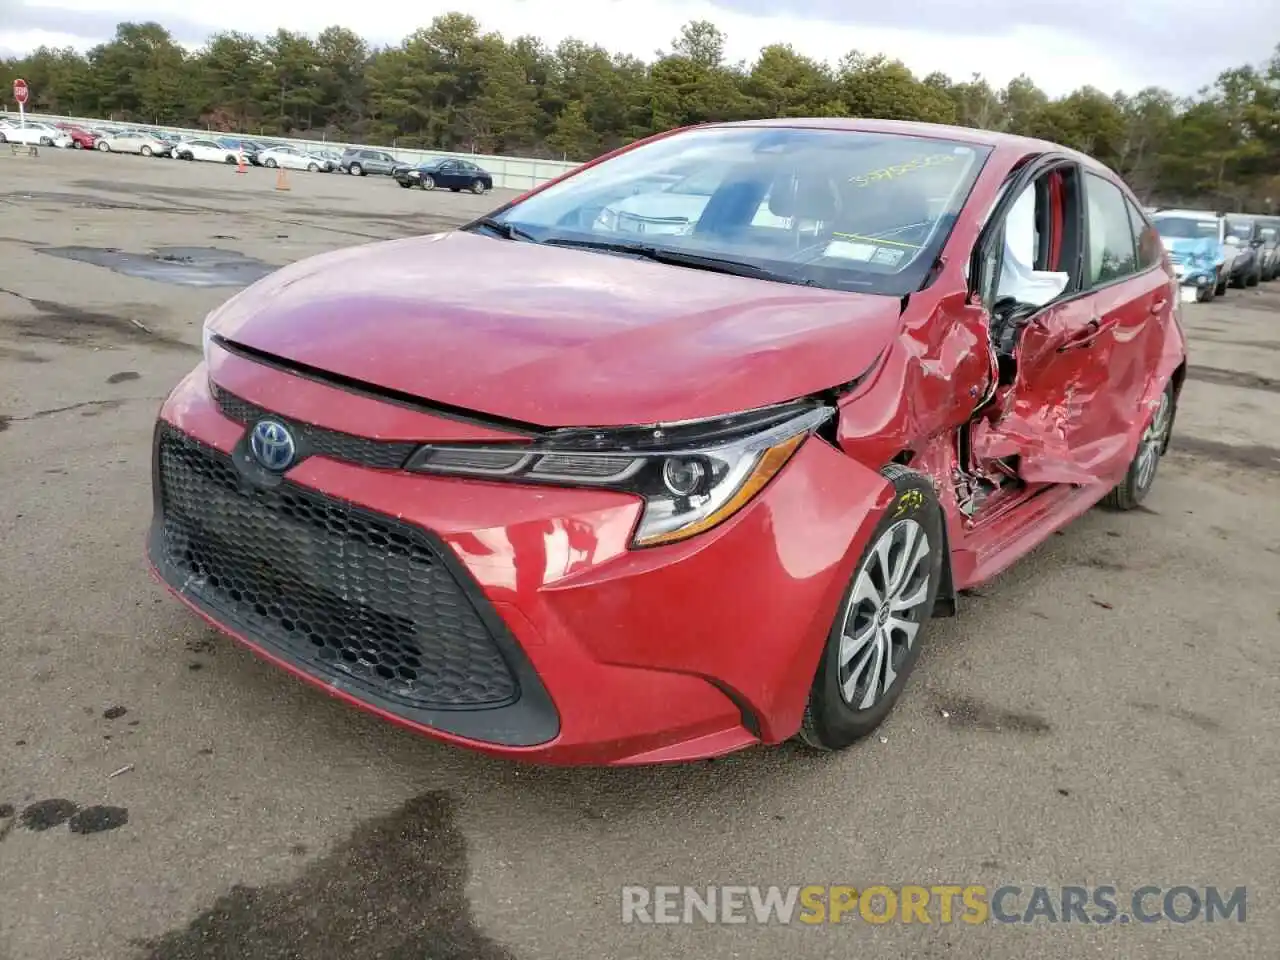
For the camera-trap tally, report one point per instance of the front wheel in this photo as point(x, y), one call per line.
point(104, 146)
point(145, 151)
point(356, 170)
point(313, 167)
point(1204, 294)
point(76, 145)
point(875, 640)
point(1137, 482)
point(269, 163)
point(428, 183)
point(46, 141)
point(477, 186)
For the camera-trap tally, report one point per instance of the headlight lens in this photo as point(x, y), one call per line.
point(206, 339)
point(692, 477)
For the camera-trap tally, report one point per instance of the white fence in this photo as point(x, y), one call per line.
point(514, 173)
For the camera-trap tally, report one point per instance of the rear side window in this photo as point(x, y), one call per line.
point(1150, 246)
point(1112, 251)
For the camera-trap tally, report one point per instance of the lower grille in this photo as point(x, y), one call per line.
point(345, 592)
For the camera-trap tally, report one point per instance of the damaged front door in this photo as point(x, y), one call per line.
point(1053, 270)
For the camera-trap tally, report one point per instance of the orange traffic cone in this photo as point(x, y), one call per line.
point(282, 179)
point(241, 167)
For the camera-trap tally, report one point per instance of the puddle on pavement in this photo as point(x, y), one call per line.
point(185, 266)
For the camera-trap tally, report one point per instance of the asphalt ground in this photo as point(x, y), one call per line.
point(1104, 713)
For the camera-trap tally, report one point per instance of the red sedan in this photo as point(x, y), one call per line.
point(681, 452)
point(81, 139)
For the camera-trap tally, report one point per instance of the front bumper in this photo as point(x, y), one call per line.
point(546, 637)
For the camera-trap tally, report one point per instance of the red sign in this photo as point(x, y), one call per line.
point(20, 91)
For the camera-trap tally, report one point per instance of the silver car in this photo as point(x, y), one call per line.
point(135, 141)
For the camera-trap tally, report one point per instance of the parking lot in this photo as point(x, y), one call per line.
point(1105, 713)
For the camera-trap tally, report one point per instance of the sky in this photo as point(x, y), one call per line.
point(1111, 44)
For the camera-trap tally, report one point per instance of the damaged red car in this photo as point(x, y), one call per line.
point(681, 452)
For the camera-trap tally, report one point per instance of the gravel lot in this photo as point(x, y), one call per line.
point(1105, 713)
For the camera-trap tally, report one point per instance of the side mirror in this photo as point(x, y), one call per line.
point(1257, 242)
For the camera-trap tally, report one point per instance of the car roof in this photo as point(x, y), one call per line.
point(1190, 214)
point(1004, 143)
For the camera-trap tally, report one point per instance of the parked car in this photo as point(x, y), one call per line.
point(237, 145)
point(1196, 243)
point(445, 172)
point(141, 142)
point(1269, 227)
point(81, 139)
point(1245, 235)
point(583, 498)
point(35, 133)
point(294, 158)
point(360, 163)
point(206, 149)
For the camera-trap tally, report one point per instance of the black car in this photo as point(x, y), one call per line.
point(1245, 234)
point(445, 172)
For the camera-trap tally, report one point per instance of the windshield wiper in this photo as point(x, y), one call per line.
point(505, 230)
point(679, 258)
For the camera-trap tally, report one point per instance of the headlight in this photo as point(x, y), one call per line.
point(608, 219)
point(691, 476)
point(206, 340)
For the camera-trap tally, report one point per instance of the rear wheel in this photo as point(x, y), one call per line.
point(1205, 294)
point(313, 167)
point(477, 186)
point(356, 170)
point(1137, 482)
point(875, 640)
point(269, 163)
point(427, 182)
point(104, 146)
point(145, 151)
point(76, 145)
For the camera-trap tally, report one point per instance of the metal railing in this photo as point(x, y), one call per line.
point(513, 173)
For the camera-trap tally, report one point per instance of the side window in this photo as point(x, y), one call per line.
point(1112, 253)
point(1028, 263)
point(1150, 247)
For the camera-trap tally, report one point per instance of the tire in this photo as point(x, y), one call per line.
point(427, 183)
point(46, 142)
point(1254, 279)
point(1204, 294)
point(313, 167)
point(3, 138)
point(1239, 282)
point(145, 151)
point(477, 186)
point(1221, 289)
point(356, 170)
point(104, 146)
point(76, 145)
point(269, 163)
point(832, 722)
point(1141, 475)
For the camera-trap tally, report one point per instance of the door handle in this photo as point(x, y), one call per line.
point(1086, 337)
point(1158, 306)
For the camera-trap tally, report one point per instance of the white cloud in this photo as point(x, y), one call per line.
point(1058, 61)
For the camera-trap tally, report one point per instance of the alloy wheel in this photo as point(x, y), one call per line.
point(1153, 439)
point(885, 611)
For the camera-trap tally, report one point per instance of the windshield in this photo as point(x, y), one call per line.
point(1242, 229)
point(847, 210)
point(1185, 228)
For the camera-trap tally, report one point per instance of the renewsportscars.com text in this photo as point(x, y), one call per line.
point(971, 904)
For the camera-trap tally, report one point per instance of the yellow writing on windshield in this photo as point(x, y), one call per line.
point(902, 169)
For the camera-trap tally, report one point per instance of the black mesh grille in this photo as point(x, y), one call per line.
point(317, 441)
point(352, 593)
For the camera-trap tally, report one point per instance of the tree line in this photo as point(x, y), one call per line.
point(451, 86)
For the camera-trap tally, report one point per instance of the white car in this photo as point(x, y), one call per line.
point(294, 159)
point(33, 133)
point(210, 151)
point(135, 141)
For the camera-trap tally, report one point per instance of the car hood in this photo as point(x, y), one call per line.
point(557, 337)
